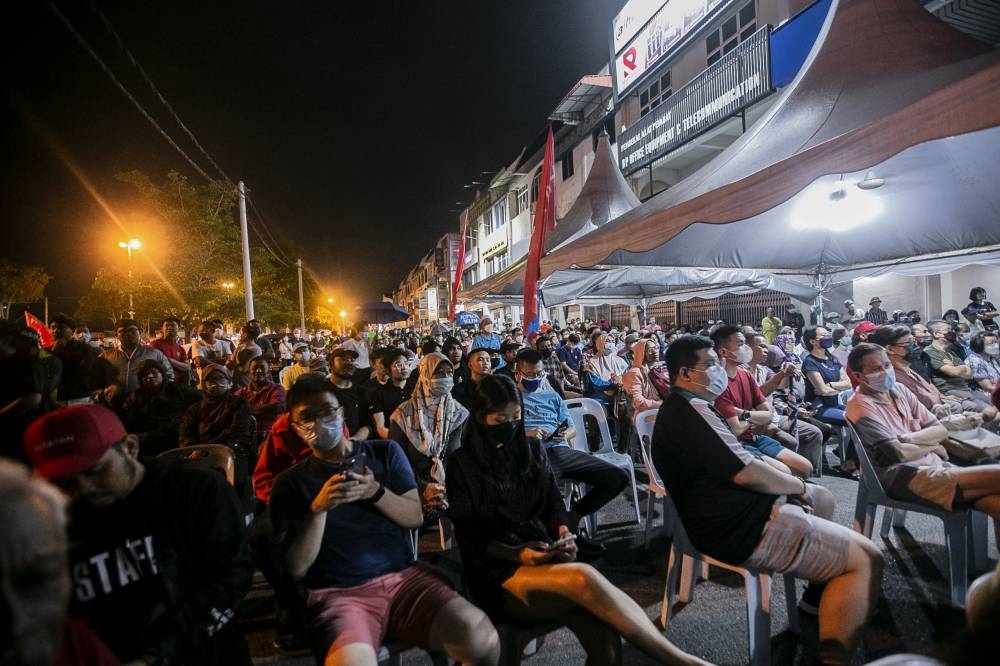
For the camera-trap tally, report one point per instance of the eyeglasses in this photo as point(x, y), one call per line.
point(527, 375)
point(307, 417)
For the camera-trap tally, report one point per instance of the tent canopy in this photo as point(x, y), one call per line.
point(882, 77)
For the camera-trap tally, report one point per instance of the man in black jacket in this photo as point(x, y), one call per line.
point(158, 554)
point(745, 512)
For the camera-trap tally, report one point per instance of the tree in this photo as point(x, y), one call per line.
point(196, 277)
point(20, 284)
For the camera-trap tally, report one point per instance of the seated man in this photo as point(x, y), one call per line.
point(158, 553)
point(153, 413)
point(951, 375)
point(386, 397)
point(546, 417)
point(742, 511)
point(479, 366)
point(903, 441)
point(508, 352)
point(344, 515)
point(220, 417)
point(745, 408)
point(265, 398)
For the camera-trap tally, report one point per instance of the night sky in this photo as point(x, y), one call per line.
point(354, 124)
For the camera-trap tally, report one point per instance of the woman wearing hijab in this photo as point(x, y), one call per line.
point(605, 368)
point(638, 386)
point(518, 554)
point(429, 427)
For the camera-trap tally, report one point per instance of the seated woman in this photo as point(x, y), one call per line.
point(517, 552)
point(429, 427)
point(984, 359)
point(605, 369)
point(825, 379)
point(154, 411)
point(638, 385)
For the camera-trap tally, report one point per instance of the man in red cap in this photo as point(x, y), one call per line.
point(158, 554)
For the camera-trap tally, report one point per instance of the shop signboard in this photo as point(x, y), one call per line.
point(655, 37)
point(737, 80)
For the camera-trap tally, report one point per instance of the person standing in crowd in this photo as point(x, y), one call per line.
point(129, 354)
point(158, 553)
point(358, 345)
point(169, 345)
point(357, 412)
point(875, 313)
point(429, 428)
point(747, 513)
point(770, 325)
point(265, 398)
point(980, 312)
point(486, 338)
point(208, 348)
point(301, 355)
point(285, 347)
point(254, 331)
point(516, 544)
point(385, 398)
point(343, 516)
point(153, 412)
point(78, 359)
point(795, 319)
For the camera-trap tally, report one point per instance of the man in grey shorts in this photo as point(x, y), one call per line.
point(903, 441)
point(742, 511)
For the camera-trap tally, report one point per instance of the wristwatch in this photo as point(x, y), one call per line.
point(378, 494)
point(745, 416)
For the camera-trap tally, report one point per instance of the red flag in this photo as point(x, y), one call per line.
point(39, 326)
point(459, 266)
point(544, 222)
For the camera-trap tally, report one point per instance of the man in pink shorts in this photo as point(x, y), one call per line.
point(344, 516)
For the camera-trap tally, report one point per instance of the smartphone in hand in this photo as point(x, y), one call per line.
point(569, 538)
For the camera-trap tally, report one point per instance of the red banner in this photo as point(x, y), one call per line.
point(543, 224)
point(39, 326)
point(459, 266)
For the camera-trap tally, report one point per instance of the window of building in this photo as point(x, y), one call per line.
point(500, 213)
point(487, 222)
point(522, 200)
point(657, 91)
point(534, 185)
point(567, 165)
point(733, 30)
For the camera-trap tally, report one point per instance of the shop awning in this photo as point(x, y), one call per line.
point(581, 99)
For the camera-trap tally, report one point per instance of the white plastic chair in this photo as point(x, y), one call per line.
point(644, 422)
point(684, 560)
point(960, 527)
point(579, 409)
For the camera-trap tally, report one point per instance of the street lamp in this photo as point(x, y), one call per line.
point(228, 285)
point(128, 246)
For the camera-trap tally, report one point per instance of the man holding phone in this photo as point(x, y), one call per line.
point(546, 417)
point(343, 516)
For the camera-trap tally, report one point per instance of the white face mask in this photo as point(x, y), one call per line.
point(718, 380)
point(304, 357)
point(322, 434)
point(744, 354)
point(441, 386)
point(993, 349)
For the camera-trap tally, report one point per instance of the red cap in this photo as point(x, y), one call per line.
point(865, 327)
point(70, 440)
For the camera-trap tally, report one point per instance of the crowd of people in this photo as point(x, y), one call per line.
point(344, 448)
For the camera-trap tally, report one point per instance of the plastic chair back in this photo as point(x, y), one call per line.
point(579, 409)
point(204, 456)
point(644, 422)
point(868, 475)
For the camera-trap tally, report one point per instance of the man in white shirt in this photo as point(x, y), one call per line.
point(357, 344)
point(208, 348)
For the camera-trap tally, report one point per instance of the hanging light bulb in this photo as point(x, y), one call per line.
point(820, 208)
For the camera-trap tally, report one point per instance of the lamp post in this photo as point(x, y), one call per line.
point(128, 246)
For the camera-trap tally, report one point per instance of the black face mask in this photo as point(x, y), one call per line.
point(913, 351)
point(951, 336)
point(545, 353)
point(926, 340)
point(494, 362)
point(503, 433)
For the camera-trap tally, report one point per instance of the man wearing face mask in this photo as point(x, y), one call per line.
point(343, 517)
point(486, 337)
point(546, 417)
point(301, 356)
point(220, 417)
point(951, 375)
point(903, 349)
point(903, 440)
point(745, 512)
point(745, 407)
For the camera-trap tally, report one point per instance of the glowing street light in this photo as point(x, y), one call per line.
point(342, 327)
point(228, 285)
point(128, 246)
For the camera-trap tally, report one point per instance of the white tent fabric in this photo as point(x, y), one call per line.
point(654, 284)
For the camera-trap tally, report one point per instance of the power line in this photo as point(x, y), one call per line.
point(267, 230)
point(156, 91)
point(107, 70)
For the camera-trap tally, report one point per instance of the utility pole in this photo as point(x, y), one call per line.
point(247, 284)
point(302, 303)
